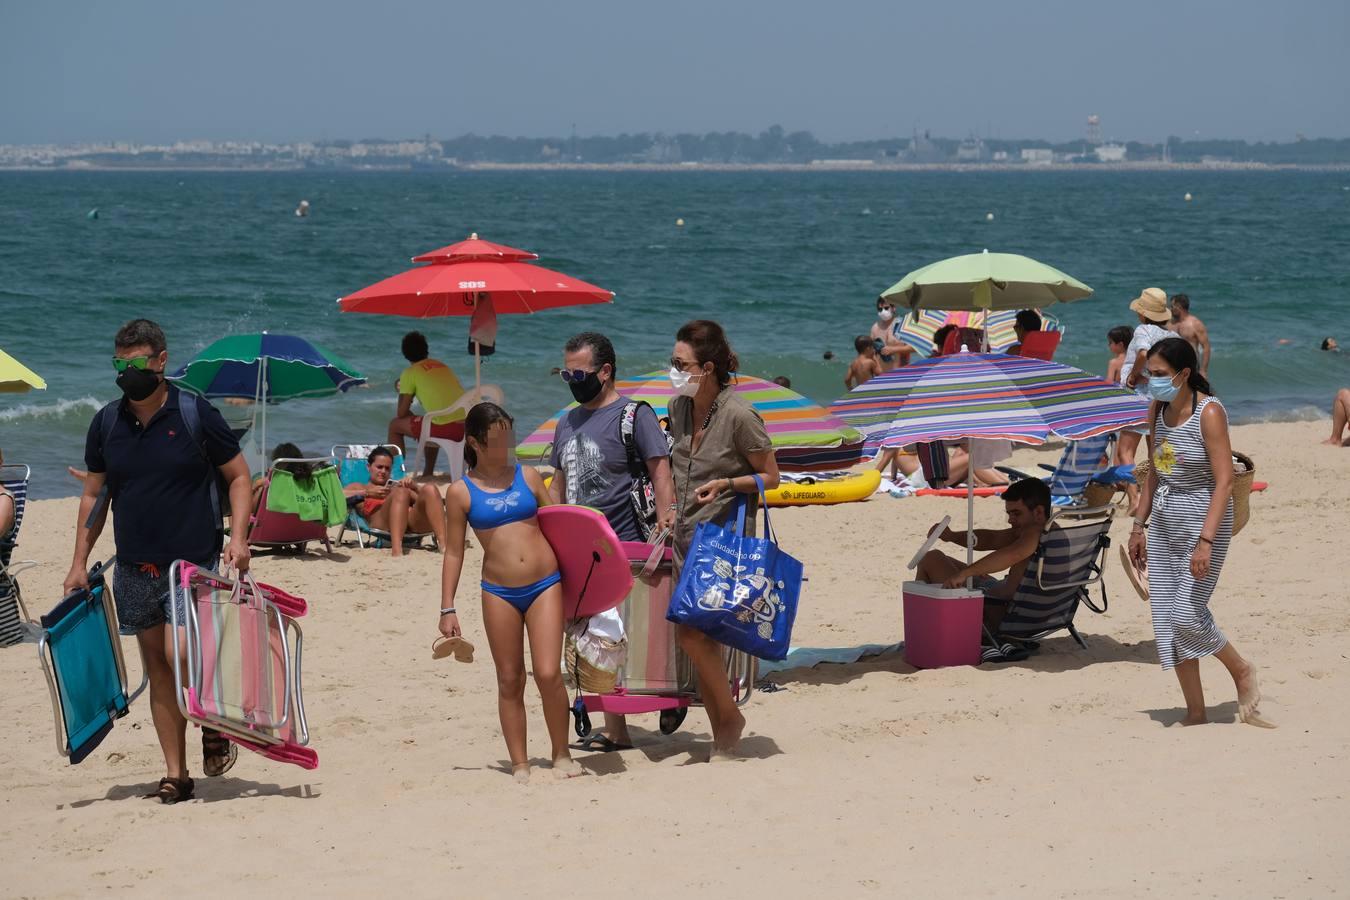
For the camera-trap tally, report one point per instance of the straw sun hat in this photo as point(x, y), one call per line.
point(1152, 305)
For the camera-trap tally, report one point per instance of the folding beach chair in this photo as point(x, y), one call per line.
point(1077, 465)
point(13, 615)
point(1069, 560)
point(268, 528)
point(81, 657)
point(353, 469)
point(241, 675)
point(1040, 344)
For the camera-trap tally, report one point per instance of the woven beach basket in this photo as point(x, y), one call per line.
point(1244, 474)
point(588, 677)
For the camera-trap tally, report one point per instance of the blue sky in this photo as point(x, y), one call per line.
point(151, 70)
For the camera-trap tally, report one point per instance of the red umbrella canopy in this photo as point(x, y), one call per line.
point(476, 248)
point(448, 290)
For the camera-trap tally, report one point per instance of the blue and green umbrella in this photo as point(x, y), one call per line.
point(266, 368)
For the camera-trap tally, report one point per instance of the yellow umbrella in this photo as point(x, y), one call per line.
point(16, 378)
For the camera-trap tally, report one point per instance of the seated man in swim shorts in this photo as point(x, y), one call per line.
point(397, 506)
point(1027, 503)
point(432, 384)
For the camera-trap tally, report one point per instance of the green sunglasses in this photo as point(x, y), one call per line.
point(136, 362)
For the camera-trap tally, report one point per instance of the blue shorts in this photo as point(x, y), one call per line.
point(141, 595)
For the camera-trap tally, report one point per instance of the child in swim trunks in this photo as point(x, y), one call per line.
point(521, 586)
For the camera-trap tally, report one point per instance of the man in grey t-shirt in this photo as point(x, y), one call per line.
point(590, 463)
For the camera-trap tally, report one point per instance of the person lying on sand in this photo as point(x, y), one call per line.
point(396, 506)
point(1027, 503)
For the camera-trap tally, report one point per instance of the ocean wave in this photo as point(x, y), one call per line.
point(59, 410)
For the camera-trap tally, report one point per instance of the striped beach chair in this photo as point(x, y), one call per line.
point(241, 675)
point(13, 615)
point(1069, 478)
point(1069, 560)
point(81, 657)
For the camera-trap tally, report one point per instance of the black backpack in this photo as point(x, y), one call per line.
point(642, 493)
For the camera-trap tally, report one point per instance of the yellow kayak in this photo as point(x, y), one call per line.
point(835, 490)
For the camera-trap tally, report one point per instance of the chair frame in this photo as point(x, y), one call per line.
point(9, 568)
point(262, 503)
point(47, 661)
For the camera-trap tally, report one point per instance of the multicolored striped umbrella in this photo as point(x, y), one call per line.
point(805, 437)
point(918, 327)
point(987, 396)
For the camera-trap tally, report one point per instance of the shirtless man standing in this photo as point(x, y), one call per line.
point(1191, 329)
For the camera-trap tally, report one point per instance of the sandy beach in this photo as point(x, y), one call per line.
point(1062, 775)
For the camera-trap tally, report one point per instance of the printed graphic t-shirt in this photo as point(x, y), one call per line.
point(588, 449)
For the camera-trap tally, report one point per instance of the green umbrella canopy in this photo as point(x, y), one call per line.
point(274, 367)
point(986, 281)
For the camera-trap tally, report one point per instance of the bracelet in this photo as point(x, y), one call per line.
point(731, 485)
point(1142, 523)
point(1206, 540)
point(448, 611)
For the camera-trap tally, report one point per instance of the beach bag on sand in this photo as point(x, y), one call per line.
point(739, 590)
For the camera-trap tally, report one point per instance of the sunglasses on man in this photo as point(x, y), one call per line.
point(574, 376)
point(136, 362)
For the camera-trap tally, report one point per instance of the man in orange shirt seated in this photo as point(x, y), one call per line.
point(431, 383)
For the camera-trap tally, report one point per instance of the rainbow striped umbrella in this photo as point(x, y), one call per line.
point(918, 327)
point(987, 396)
point(805, 437)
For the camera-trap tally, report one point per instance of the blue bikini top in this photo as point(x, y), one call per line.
point(493, 509)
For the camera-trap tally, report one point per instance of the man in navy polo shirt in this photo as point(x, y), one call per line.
point(160, 477)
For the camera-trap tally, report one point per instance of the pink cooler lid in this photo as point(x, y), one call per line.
point(586, 545)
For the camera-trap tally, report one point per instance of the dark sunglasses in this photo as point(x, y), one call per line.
point(136, 362)
point(574, 376)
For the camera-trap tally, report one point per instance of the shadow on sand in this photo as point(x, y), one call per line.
point(206, 790)
point(1223, 714)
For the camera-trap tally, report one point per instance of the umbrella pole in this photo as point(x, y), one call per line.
point(262, 393)
point(477, 355)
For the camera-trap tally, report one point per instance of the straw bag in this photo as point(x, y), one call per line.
point(1244, 474)
point(1098, 494)
point(592, 654)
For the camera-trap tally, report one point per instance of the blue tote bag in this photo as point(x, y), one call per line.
point(739, 590)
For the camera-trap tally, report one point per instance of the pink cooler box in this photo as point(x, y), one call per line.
point(942, 627)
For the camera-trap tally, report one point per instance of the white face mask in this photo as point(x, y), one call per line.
point(885, 315)
point(684, 383)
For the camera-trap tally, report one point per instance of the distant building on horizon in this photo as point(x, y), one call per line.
point(1038, 156)
point(1109, 153)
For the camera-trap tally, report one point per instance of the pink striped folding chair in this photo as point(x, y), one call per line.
point(235, 661)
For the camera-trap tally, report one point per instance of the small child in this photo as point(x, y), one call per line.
point(866, 366)
point(1117, 340)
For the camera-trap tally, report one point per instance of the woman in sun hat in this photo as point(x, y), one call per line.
point(1151, 308)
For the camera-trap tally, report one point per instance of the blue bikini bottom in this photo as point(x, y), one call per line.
point(522, 597)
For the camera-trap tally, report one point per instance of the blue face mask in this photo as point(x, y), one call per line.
point(1161, 388)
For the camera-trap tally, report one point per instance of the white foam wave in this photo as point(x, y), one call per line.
point(59, 409)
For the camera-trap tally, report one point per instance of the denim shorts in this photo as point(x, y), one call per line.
point(141, 594)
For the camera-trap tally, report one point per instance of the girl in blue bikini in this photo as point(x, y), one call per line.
point(522, 590)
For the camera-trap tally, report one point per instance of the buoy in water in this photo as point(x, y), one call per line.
point(867, 211)
point(1187, 198)
point(989, 217)
point(92, 214)
point(679, 223)
point(303, 208)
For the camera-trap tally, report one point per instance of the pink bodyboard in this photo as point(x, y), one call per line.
point(590, 558)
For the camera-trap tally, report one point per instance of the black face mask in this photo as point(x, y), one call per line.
point(588, 389)
point(138, 384)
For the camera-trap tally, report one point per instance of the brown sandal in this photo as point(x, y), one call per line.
point(218, 753)
point(173, 790)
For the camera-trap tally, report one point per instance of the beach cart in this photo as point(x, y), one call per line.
point(657, 676)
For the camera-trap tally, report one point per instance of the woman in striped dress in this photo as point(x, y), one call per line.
point(1187, 509)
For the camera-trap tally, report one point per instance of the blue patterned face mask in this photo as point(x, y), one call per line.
point(1161, 388)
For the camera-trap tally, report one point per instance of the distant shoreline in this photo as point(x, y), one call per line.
point(859, 166)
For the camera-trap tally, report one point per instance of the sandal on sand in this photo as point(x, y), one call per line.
point(173, 790)
point(444, 646)
point(218, 753)
point(599, 742)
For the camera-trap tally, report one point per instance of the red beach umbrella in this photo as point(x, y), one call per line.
point(451, 289)
point(476, 248)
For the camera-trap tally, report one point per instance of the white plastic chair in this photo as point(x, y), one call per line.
point(454, 450)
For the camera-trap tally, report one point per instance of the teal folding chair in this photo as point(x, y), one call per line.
point(81, 656)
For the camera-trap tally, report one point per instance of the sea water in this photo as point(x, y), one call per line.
point(788, 261)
